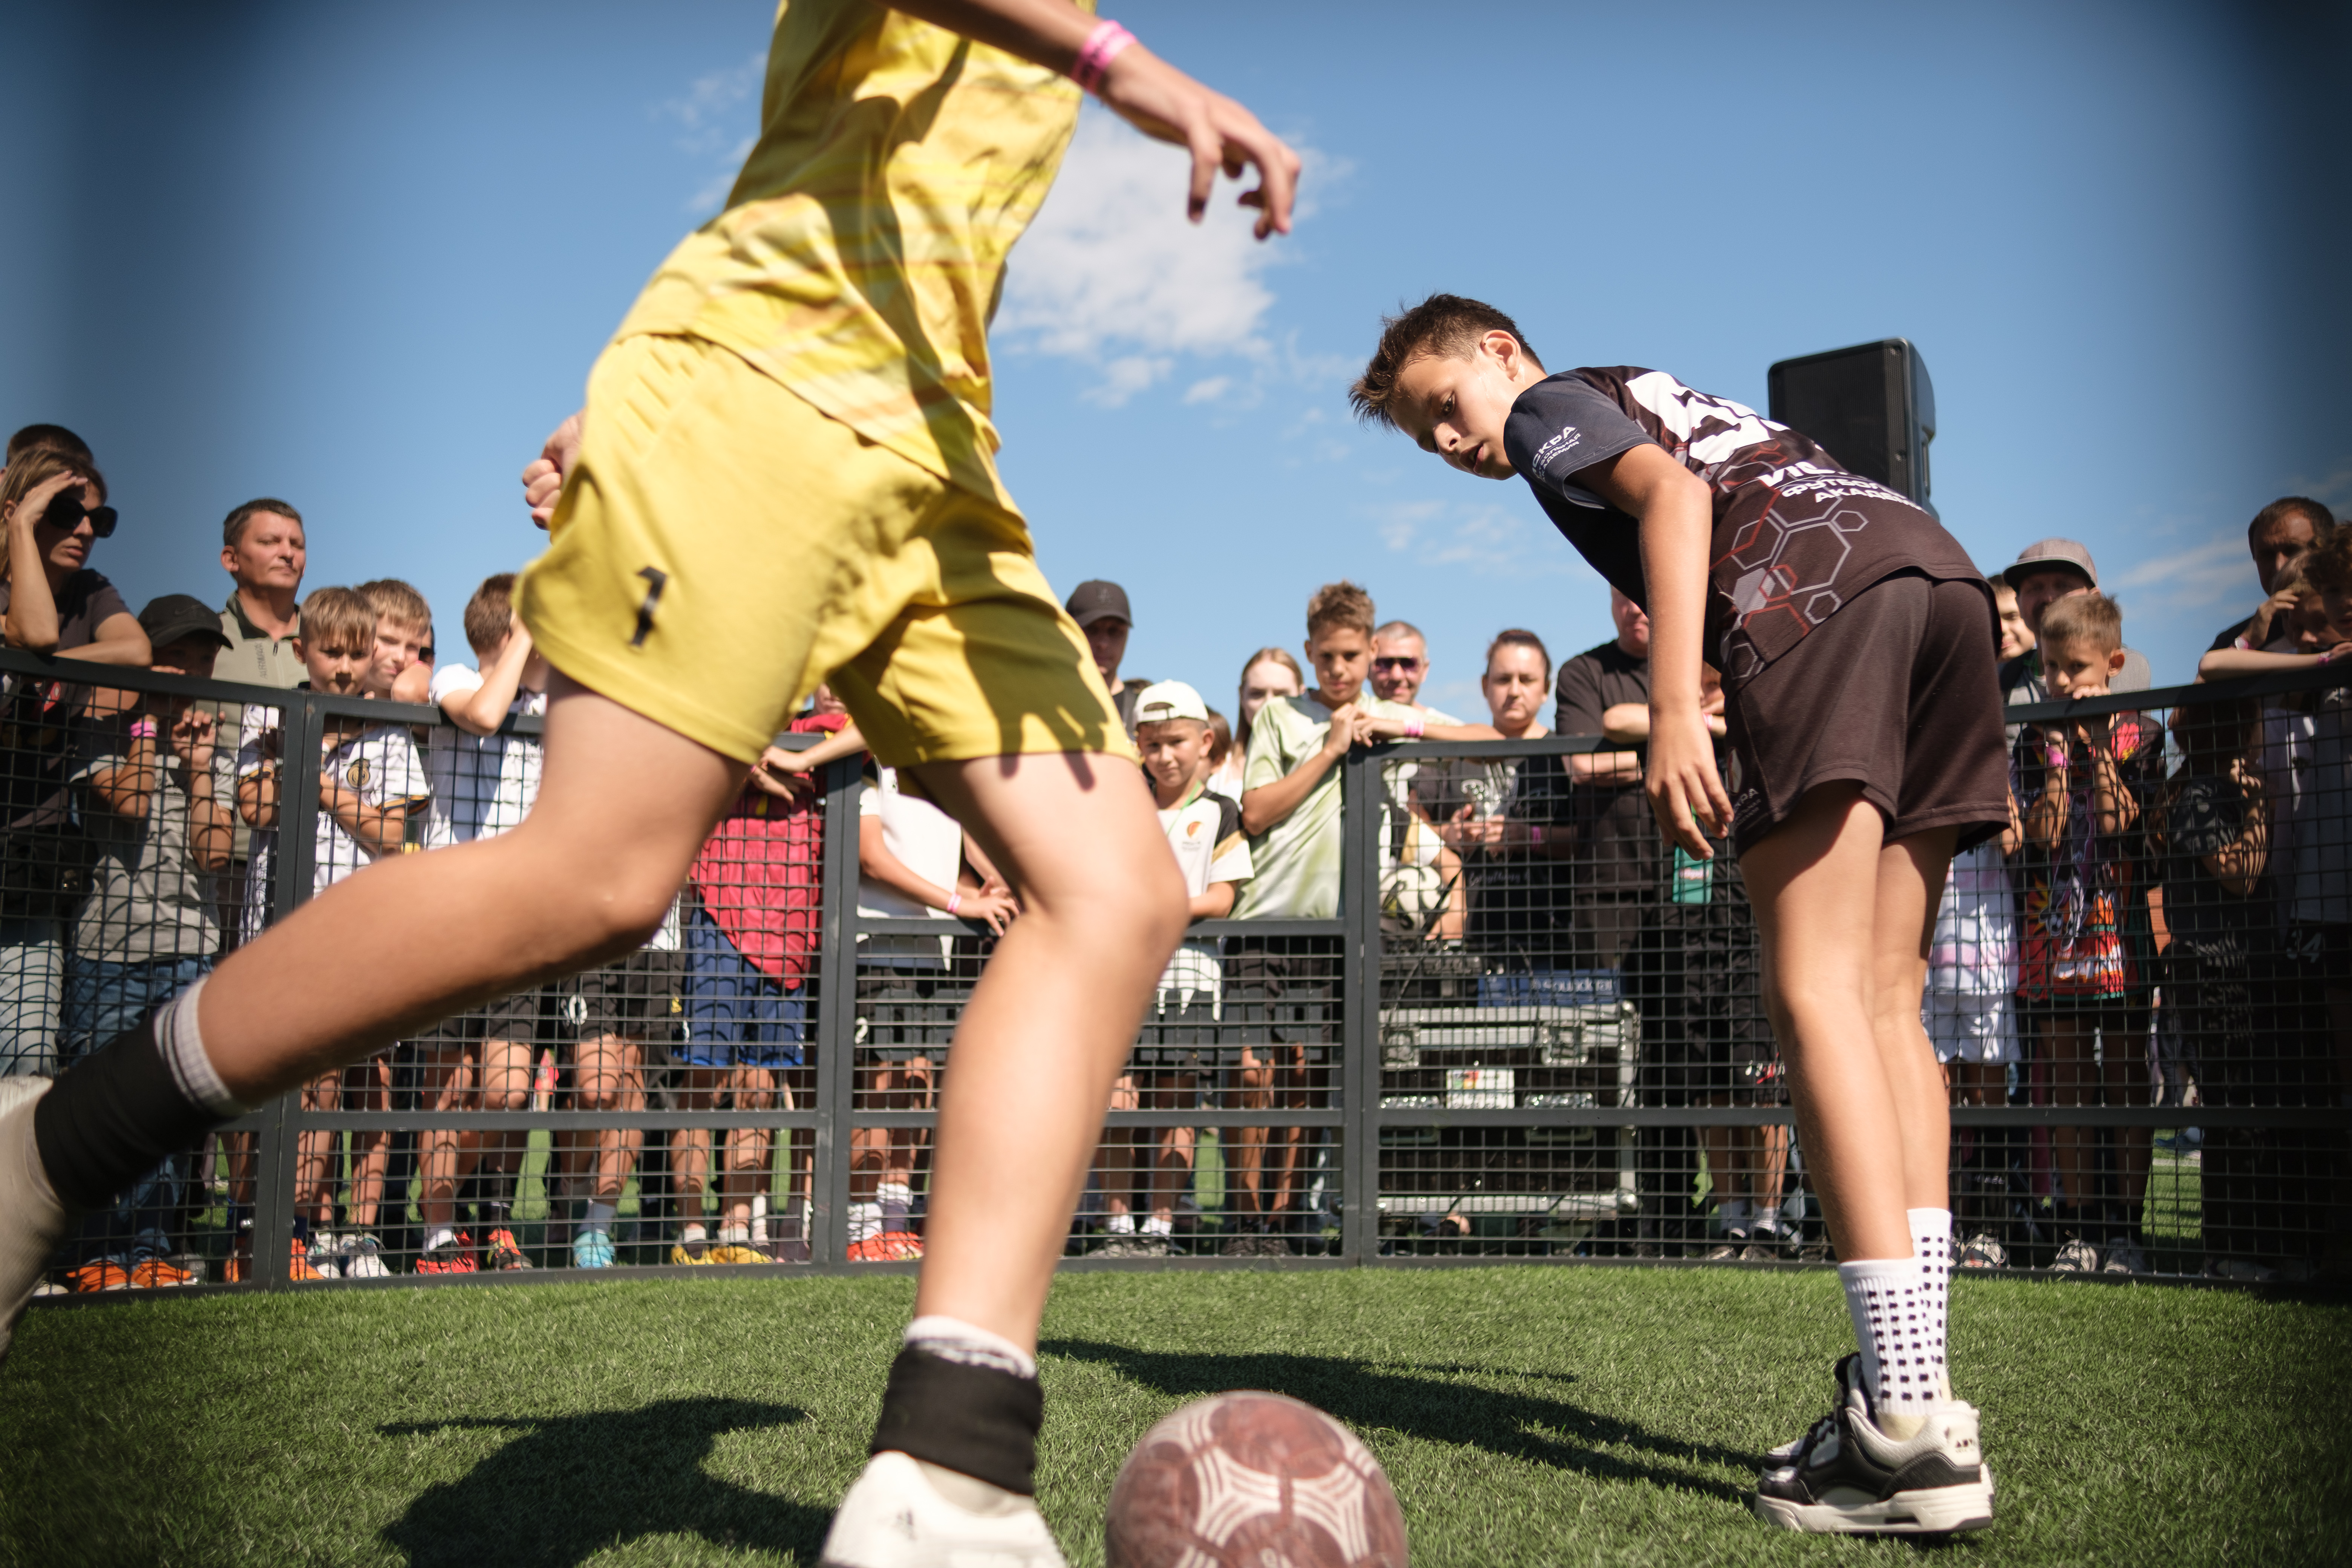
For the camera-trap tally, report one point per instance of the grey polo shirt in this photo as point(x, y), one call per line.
point(253, 655)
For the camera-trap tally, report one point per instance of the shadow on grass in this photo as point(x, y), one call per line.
point(1401, 1395)
point(569, 1487)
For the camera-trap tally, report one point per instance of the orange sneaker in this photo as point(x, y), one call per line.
point(502, 1252)
point(298, 1263)
point(889, 1246)
point(159, 1274)
point(104, 1275)
point(454, 1255)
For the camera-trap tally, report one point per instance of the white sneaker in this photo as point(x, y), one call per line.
point(362, 1259)
point(2123, 1257)
point(2076, 1256)
point(1849, 1476)
point(32, 1221)
point(895, 1517)
point(325, 1255)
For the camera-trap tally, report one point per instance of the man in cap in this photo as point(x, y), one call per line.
point(1100, 609)
point(2045, 572)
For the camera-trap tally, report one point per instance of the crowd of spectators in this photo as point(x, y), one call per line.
point(2163, 920)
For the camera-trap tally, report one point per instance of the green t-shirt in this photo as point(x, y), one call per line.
point(1297, 859)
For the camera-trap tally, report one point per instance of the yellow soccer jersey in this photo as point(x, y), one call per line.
point(863, 248)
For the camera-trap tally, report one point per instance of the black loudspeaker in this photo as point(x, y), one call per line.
point(1872, 406)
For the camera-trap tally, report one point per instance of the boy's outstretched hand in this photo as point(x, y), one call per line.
point(1685, 791)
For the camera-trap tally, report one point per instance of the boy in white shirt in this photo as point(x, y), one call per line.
point(484, 778)
point(370, 778)
point(1205, 829)
point(1970, 1008)
point(911, 858)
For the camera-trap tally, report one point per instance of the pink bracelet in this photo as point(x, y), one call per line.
point(142, 729)
point(1413, 729)
point(1103, 46)
point(955, 899)
point(1535, 838)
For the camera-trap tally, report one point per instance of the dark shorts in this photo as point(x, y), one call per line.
point(521, 1017)
point(903, 1014)
point(1898, 691)
point(640, 998)
point(1281, 993)
point(1177, 1039)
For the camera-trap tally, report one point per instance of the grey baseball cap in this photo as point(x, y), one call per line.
point(1094, 600)
point(2047, 552)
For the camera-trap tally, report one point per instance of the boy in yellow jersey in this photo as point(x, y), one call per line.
point(784, 475)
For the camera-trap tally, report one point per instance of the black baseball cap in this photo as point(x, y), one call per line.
point(176, 615)
point(1097, 600)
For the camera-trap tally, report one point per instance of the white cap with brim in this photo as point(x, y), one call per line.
point(1169, 699)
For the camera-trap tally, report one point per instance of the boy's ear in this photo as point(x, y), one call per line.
point(297, 641)
point(2115, 662)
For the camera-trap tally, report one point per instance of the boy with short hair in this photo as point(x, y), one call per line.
point(2085, 936)
point(1205, 829)
point(1855, 639)
point(404, 638)
point(370, 778)
point(785, 473)
point(159, 826)
point(484, 778)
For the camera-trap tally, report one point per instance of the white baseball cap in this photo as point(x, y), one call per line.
point(1169, 699)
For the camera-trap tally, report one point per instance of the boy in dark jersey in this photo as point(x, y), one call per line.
point(1855, 640)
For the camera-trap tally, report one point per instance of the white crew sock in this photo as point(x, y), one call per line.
point(736, 1236)
point(692, 1234)
point(1767, 1219)
point(865, 1222)
point(182, 1047)
point(1931, 1244)
point(1155, 1225)
point(599, 1216)
point(958, 1340)
point(1121, 1224)
point(898, 1201)
point(1887, 1300)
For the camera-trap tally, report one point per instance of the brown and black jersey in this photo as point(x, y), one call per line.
point(1795, 534)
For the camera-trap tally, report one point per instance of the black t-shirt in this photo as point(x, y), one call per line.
point(2205, 814)
point(1129, 692)
point(38, 717)
point(1518, 900)
point(1795, 534)
point(1617, 840)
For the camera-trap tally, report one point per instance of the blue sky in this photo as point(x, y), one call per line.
point(362, 257)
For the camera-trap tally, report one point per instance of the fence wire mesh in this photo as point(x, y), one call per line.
point(1532, 1029)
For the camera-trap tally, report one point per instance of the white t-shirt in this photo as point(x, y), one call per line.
point(1205, 831)
point(379, 766)
point(482, 785)
point(927, 842)
point(1974, 950)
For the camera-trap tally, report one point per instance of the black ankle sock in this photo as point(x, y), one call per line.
point(113, 1116)
point(978, 1421)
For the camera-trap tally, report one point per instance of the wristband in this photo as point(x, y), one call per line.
point(142, 729)
point(2054, 755)
point(1413, 729)
point(1535, 836)
point(955, 899)
point(1104, 44)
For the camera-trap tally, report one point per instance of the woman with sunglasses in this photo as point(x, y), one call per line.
point(52, 506)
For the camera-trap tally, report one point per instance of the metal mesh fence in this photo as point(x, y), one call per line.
point(1532, 1031)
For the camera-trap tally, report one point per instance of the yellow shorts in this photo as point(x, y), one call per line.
point(721, 547)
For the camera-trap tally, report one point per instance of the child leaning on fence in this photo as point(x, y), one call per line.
point(2082, 784)
point(155, 814)
point(1205, 829)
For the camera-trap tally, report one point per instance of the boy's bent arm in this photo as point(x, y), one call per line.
point(2225, 661)
point(1678, 527)
point(1217, 903)
point(1268, 805)
point(875, 861)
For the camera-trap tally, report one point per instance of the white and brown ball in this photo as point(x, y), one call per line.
point(1253, 1480)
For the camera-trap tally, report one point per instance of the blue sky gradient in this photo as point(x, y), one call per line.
point(363, 258)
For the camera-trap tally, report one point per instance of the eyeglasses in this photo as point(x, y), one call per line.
point(66, 512)
point(1392, 662)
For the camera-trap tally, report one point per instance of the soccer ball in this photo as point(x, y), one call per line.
point(1253, 1480)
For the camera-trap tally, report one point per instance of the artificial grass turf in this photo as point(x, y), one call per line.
point(1526, 1414)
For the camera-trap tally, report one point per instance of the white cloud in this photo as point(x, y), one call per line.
point(718, 119)
point(1492, 541)
point(1126, 376)
point(1111, 269)
point(2204, 574)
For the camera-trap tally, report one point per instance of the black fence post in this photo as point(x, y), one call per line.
point(837, 1017)
point(1360, 1008)
point(276, 1146)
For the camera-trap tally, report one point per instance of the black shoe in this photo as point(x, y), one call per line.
point(1848, 1477)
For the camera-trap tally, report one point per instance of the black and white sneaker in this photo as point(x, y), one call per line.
point(1848, 1477)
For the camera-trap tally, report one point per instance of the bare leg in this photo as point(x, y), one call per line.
point(447, 1084)
point(612, 1077)
point(314, 1154)
point(2126, 1072)
point(1845, 919)
point(689, 1147)
point(417, 937)
point(505, 1086)
point(369, 1087)
point(1246, 1166)
point(1173, 1168)
point(753, 1088)
point(1049, 1024)
point(1115, 1155)
point(2067, 1045)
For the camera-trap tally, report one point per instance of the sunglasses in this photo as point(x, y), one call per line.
point(66, 512)
point(1395, 663)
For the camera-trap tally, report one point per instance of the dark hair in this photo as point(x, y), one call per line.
point(2322, 520)
point(51, 438)
point(1221, 739)
point(2328, 566)
point(1445, 324)
point(1519, 637)
point(234, 529)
